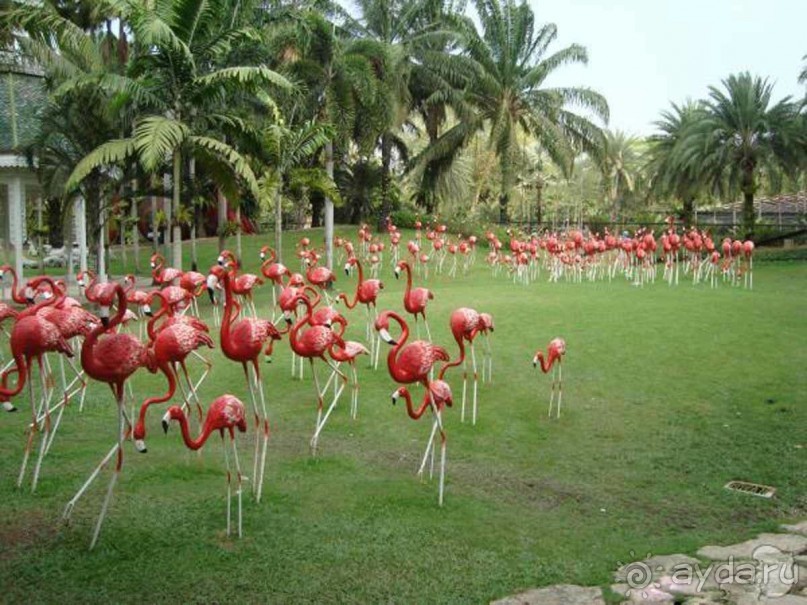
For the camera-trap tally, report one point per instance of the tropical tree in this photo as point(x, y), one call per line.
point(511, 96)
point(414, 67)
point(285, 153)
point(181, 93)
point(620, 167)
point(803, 74)
point(670, 176)
point(338, 88)
point(743, 137)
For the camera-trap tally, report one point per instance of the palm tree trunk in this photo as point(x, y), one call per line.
point(278, 225)
point(749, 218)
point(222, 218)
point(329, 208)
point(176, 237)
point(539, 198)
point(135, 218)
point(238, 231)
point(686, 212)
point(194, 258)
point(386, 160)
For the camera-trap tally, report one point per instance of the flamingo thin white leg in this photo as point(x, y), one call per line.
point(265, 430)
point(239, 476)
point(68, 509)
point(442, 451)
point(476, 381)
point(464, 388)
point(115, 474)
point(30, 442)
point(229, 482)
point(428, 450)
point(255, 478)
point(560, 386)
point(321, 424)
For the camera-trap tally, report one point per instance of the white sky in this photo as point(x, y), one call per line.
point(645, 53)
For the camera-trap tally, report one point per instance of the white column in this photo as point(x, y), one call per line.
point(16, 221)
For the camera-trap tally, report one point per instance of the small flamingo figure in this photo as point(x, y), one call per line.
point(225, 413)
point(555, 352)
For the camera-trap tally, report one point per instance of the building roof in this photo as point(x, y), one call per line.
point(786, 203)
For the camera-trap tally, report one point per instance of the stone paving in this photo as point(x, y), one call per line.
point(770, 569)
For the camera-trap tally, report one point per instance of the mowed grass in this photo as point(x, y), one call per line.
point(669, 393)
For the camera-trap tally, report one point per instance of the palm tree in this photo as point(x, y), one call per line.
point(803, 74)
point(338, 87)
point(743, 137)
point(510, 95)
point(413, 66)
point(669, 175)
point(181, 95)
point(285, 153)
point(619, 167)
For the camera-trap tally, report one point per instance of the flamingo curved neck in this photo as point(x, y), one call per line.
point(415, 414)
point(16, 296)
point(139, 430)
point(392, 356)
point(190, 442)
point(358, 287)
point(88, 361)
point(546, 363)
point(305, 319)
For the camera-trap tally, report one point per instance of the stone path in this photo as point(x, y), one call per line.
point(770, 569)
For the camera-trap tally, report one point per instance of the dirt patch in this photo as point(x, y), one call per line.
point(23, 532)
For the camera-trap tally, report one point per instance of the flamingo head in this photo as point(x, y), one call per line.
point(382, 325)
point(398, 268)
point(535, 361)
point(486, 319)
point(173, 413)
point(398, 393)
point(8, 406)
point(264, 251)
point(103, 313)
point(351, 262)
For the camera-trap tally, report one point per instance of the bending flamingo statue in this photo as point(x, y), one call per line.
point(17, 295)
point(273, 271)
point(555, 352)
point(162, 275)
point(225, 413)
point(411, 362)
point(313, 343)
point(436, 398)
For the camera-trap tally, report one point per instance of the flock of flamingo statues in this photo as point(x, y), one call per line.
point(47, 322)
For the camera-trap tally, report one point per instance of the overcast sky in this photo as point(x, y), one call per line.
point(645, 53)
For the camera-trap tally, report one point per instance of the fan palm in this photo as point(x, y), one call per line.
point(415, 68)
point(619, 167)
point(743, 136)
point(669, 175)
point(510, 92)
point(181, 93)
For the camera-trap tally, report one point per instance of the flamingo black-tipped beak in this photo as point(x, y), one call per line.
point(220, 260)
point(288, 320)
point(386, 337)
point(9, 407)
point(212, 294)
point(153, 265)
point(147, 311)
point(535, 362)
point(397, 272)
point(140, 446)
point(105, 322)
point(165, 425)
point(263, 255)
point(30, 300)
point(347, 271)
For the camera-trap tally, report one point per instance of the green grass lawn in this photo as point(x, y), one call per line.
point(669, 394)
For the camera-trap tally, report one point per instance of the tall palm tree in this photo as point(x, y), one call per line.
point(338, 86)
point(511, 95)
point(743, 136)
point(803, 74)
point(619, 166)
point(285, 152)
point(181, 92)
point(669, 175)
point(413, 66)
